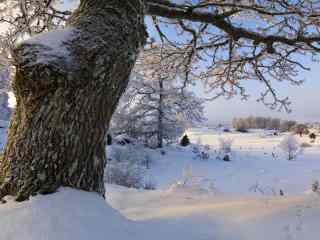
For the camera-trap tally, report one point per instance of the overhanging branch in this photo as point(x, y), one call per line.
point(170, 10)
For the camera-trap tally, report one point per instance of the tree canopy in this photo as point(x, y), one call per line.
point(231, 41)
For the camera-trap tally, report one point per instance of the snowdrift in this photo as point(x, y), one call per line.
point(66, 215)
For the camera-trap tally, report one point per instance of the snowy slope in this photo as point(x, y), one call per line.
point(184, 215)
point(68, 214)
point(71, 214)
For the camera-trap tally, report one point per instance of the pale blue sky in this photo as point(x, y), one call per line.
point(305, 101)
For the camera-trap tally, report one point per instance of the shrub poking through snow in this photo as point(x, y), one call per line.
point(312, 137)
point(226, 158)
point(290, 146)
point(187, 175)
point(225, 148)
point(201, 152)
point(185, 141)
point(131, 153)
point(225, 145)
point(125, 174)
point(315, 186)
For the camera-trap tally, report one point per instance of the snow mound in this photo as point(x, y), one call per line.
point(68, 214)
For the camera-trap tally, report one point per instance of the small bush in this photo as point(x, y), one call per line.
point(125, 174)
point(290, 146)
point(312, 137)
point(201, 152)
point(131, 153)
point(315, 187)
point(226, 158)
point(128, 166)
point(225, 145)
point(185, 141)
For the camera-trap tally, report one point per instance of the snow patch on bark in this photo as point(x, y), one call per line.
point(54, 42)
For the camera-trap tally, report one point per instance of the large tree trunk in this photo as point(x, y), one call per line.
point(66, 94)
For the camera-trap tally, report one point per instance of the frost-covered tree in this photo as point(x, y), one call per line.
point(290, 145)
point(156, 105)
point(68, 82)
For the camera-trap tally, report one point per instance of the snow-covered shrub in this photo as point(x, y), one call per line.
point(185, 141)
point(125, 174)
point(196, 149)
point(201, 152)
point(225, 148)
point(131, 153)
point(191, 184)
point(187, 174)
point(128, 166)
point(225, 145)
point(290, 146)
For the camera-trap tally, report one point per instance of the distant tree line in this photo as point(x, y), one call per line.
point(263, 123)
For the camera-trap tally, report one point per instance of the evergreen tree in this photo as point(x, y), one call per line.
point(185, 141)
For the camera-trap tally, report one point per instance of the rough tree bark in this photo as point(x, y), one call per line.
point(65, 102)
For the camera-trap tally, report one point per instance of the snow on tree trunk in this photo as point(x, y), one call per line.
point(67, 85)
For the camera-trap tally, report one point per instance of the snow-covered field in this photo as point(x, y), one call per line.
point(258, 165)
point(237, 200)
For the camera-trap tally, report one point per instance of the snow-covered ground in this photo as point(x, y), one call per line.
point(237, 200)
point(258, 165)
